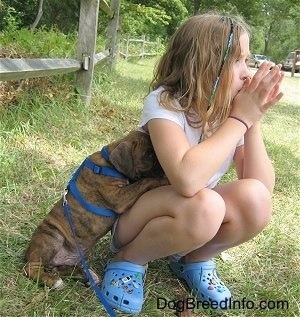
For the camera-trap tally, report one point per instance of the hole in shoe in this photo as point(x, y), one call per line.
point(116, 298)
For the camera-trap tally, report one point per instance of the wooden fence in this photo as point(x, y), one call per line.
point(19, 68)
point(143, 48)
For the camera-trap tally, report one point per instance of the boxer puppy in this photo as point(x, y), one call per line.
point(105, 185)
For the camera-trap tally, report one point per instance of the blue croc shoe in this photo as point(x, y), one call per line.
point(202, 279)
point(122, 286)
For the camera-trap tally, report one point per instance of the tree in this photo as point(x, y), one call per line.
point(39, 15)
point(197, 4)
point(274, 31)
point(274, 23)
point(161, 18)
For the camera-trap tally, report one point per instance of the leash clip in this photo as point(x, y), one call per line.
point(65, 202)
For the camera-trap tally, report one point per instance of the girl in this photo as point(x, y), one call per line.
point(203, 111)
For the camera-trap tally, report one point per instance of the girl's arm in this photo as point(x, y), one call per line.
point(238, 160)
point(252, 161)
point(257, 163)
point(189, 168)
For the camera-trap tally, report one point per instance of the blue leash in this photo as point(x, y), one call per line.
point(96, 289)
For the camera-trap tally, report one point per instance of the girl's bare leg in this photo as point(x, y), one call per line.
point(163, 223)
point(248, 211)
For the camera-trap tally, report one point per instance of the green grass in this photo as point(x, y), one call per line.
point(43, 138)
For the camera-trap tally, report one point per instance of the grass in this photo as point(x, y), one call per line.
point(44, 137)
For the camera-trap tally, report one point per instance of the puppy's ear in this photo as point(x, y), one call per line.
point(121, 158)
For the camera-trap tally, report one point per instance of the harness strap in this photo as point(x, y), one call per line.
point(100, 170)
point(90, 207)
point(105, 153)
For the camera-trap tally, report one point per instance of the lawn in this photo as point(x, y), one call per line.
point(48, 132)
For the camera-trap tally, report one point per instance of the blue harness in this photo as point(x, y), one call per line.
point(100, 170)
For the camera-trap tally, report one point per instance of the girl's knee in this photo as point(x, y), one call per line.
point(256, 199)
point(203, 216)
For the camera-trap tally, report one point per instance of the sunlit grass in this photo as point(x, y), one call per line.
point(42, 140)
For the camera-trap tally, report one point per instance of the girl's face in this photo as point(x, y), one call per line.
point(240, 68)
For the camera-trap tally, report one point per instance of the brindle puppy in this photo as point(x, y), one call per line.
point(52, 250)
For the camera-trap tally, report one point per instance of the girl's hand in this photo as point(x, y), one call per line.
point(258, 94)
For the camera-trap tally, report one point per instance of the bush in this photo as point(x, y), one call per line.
point(40, 43)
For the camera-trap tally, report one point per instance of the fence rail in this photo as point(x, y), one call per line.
point(141, 51)
point(20, 68)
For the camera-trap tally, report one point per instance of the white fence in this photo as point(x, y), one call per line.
point(138, 48)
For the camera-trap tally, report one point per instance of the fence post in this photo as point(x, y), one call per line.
point(157, 43)
point(143, 46)
point(88, 22)
point(127, 48)
point(112, 33)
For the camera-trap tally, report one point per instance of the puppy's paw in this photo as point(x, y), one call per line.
point(58, 285)
point(95, 277)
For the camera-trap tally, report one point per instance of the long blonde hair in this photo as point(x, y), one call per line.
point(192, 62)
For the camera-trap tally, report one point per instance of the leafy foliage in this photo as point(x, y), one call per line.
point(40, 43)
point(274, 23)
point(175, 12)
point(142, 20)
point(17, 13)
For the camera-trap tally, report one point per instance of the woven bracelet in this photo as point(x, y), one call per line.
point(240, 120)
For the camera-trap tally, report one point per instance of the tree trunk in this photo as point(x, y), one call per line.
point(197, 4)
point(38, 17)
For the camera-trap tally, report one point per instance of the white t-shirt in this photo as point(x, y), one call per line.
point(153, 110)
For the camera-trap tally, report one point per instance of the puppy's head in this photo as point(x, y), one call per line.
point(134, 157)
